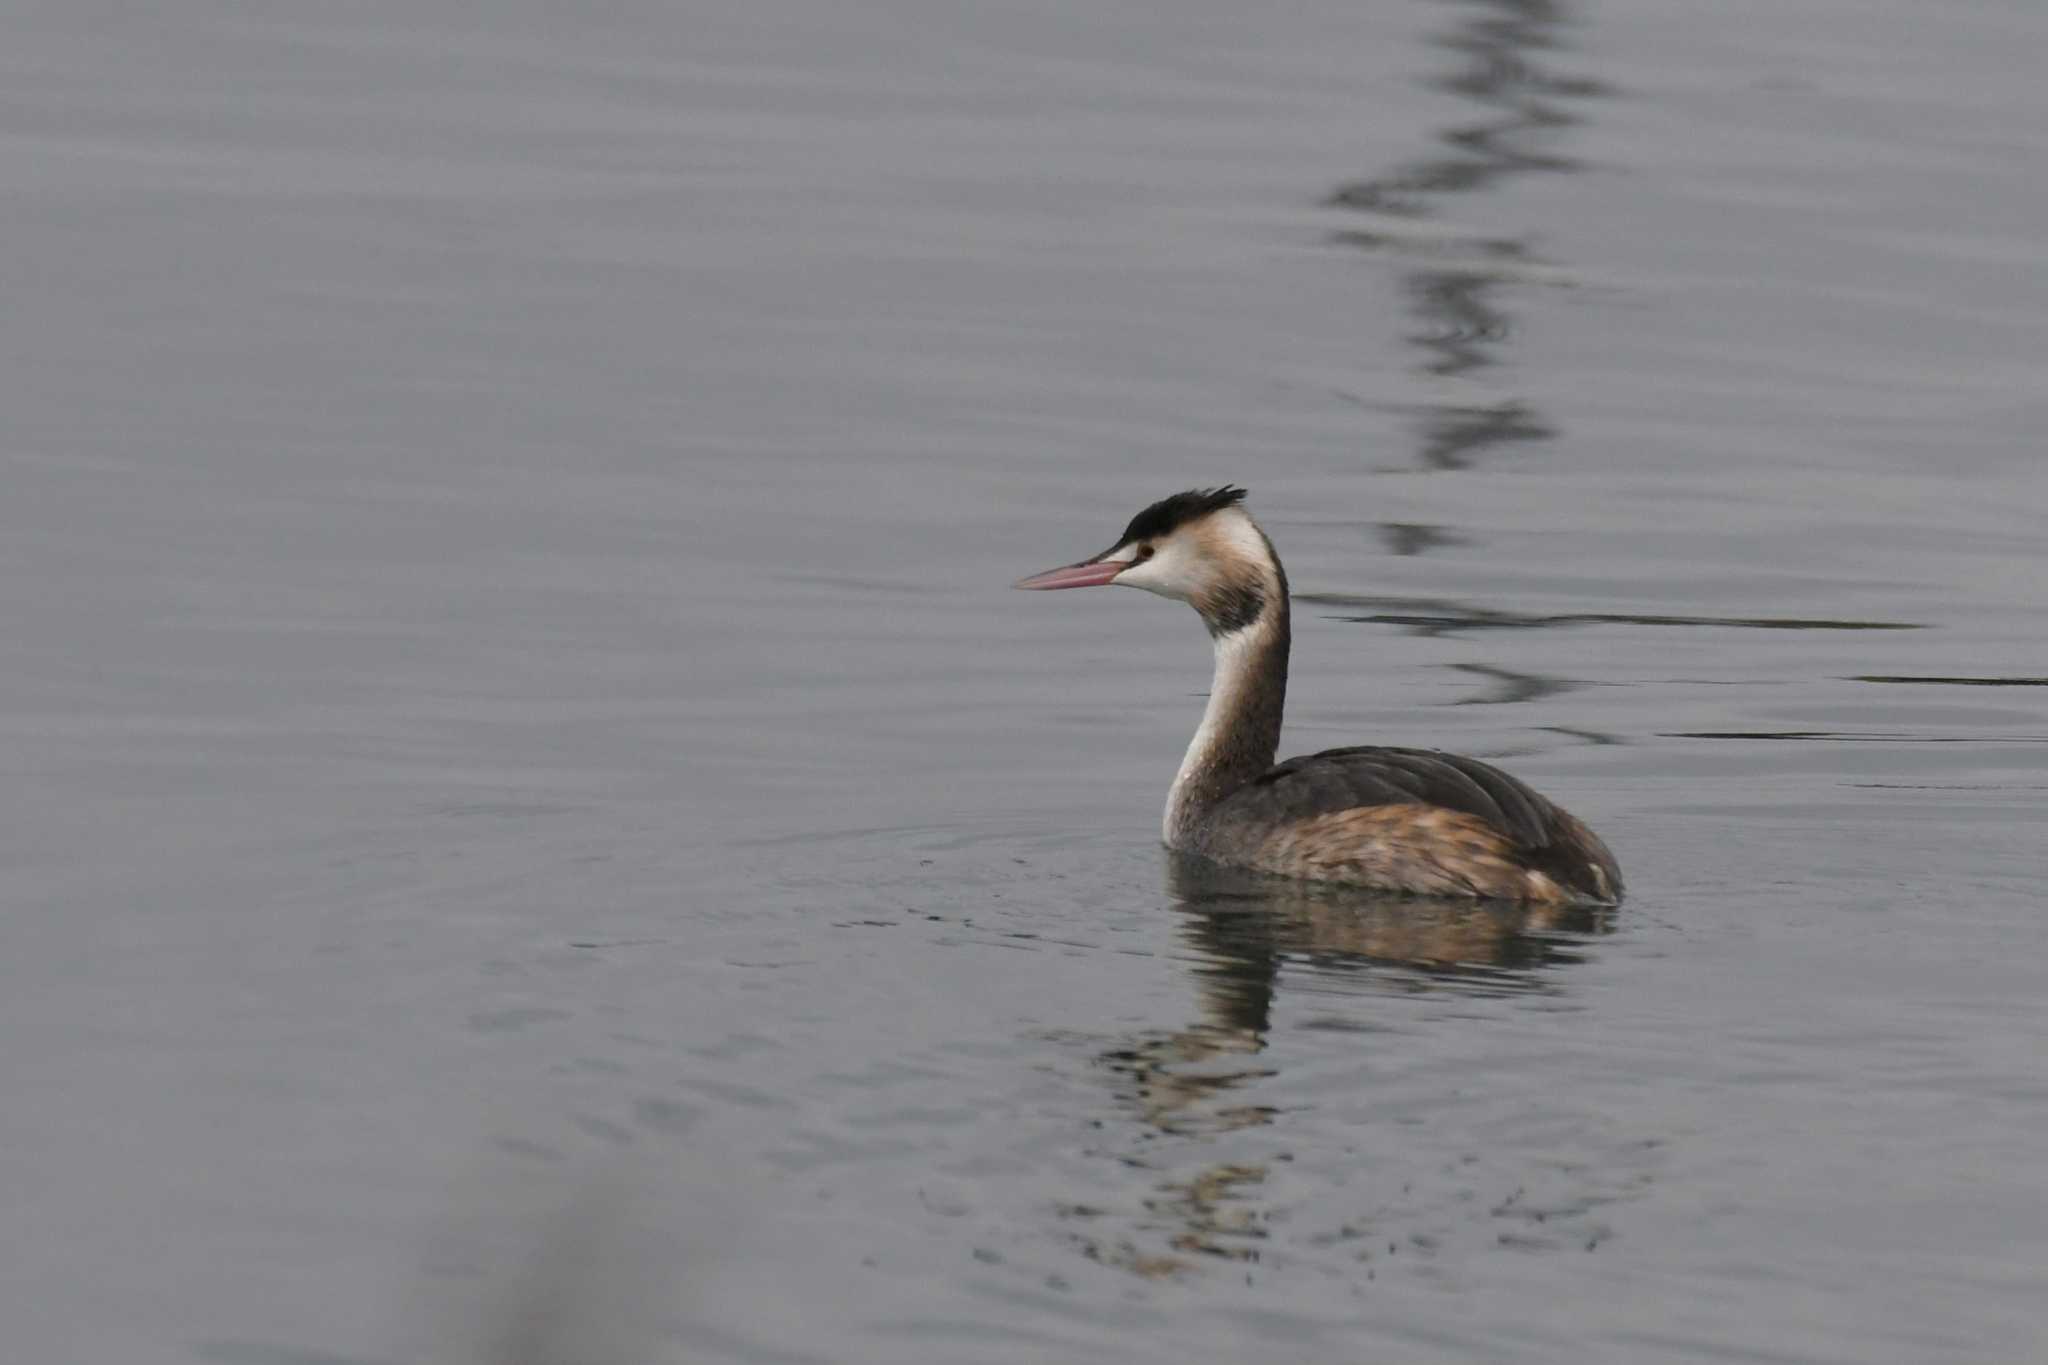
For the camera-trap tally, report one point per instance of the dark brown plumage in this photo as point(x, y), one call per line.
point(1413, 820)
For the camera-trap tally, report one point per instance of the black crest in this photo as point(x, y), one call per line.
point(1170, 514)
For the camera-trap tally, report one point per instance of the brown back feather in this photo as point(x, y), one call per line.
point(1544, 838)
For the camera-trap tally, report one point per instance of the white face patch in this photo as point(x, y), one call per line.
point(1175, 569)
point(1195, 558)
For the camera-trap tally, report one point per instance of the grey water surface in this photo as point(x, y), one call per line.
point(536, 830)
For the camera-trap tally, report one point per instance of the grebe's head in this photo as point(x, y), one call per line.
point(1200, 547)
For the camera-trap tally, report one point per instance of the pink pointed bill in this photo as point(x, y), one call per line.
point(1087, 574)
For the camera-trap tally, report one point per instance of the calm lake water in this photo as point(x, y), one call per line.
point(537, 831)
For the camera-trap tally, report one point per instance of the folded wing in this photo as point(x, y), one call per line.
point(1440, 822)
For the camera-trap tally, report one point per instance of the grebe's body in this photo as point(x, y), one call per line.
point(1404, 820)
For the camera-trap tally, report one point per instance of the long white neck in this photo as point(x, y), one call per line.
point(1240, 730)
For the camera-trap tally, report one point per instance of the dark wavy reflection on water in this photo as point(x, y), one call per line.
point(1454, 282)
point(1442, 616)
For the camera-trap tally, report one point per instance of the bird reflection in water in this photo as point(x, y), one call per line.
point(1248, 932)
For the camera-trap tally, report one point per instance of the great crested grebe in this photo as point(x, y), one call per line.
point(1404, 820)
